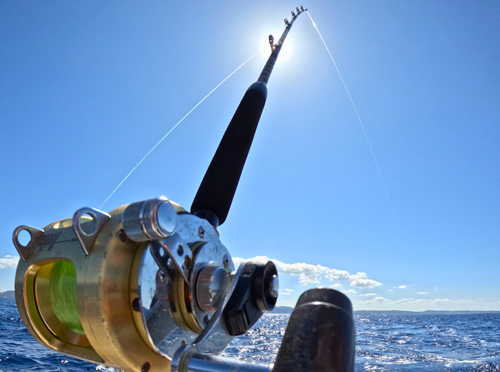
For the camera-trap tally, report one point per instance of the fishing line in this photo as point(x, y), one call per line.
point(175, 126)
point(359, 119)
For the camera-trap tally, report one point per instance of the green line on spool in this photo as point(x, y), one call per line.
point(63, 296)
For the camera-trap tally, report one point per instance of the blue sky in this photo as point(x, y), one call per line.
point(86, 89)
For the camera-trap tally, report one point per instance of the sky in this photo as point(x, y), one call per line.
point(88, 88)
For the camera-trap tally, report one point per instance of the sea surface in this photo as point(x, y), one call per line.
point(384, 343)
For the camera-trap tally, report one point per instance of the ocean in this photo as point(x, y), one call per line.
point(420, 343)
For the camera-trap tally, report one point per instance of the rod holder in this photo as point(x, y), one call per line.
point(320, 335)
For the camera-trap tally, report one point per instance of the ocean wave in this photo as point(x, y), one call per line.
point(384, 343)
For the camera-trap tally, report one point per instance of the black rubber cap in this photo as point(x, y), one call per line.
point(320, 335)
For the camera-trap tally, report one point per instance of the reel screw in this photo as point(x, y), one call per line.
point(206, 319)
point(162, 276)
point(188, 263)
point(136, 305)
point(145, 367)
point(121, 235)
point(201, 232)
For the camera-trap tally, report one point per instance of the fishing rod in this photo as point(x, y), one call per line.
point(150, 287)
point(216, 192)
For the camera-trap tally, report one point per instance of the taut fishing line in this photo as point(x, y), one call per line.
point(359, 119)
point(171, 130)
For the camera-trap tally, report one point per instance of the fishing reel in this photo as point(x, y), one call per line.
point(129, 288)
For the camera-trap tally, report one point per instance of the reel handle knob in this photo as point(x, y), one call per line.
point(255, 293)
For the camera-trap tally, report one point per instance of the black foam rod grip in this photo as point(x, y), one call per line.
point(217, 189)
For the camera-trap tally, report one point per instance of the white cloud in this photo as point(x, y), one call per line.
point(401, 287)
point(336, 285)
point(364, 283)
point(334, 274)
point(349, 291)
point(421, 293)
point(381, 303)
point(286, 291)
point(8, 261)
point(368, 294)
point(237, 261)
point(311, 274)
point(376, 300)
